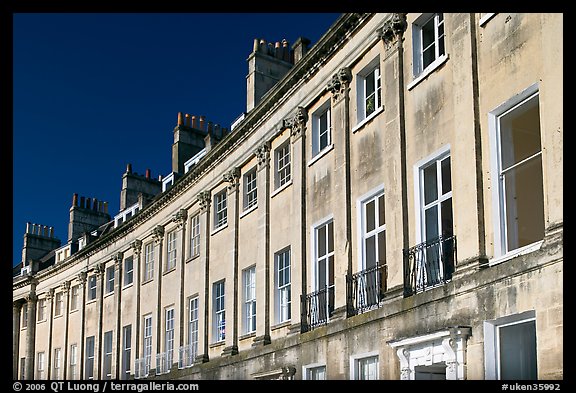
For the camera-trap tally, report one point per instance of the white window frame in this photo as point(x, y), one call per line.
point(92, 285)
point(58, 304)
point(309, 368)
point(73, 370)
point(41, 309)
point(74, 296)
point(283, 162)
point(126, 352)
point(437, 156)
point(283, 287)
point(41, 365)
point(89, 371)
point(108, 345)
point(193, 325)
point(219, 311)
point(491, 340)
point(148, 262)
point(250, 190)
point(57, 363)
point(439, 40)
point(501, 251)
point(355, 362)
point(220, 209)
point(315, 257)
point(172, 250)
point(147, 342)
point(169, 336)
point(324, 111)
point(110, 277)
point(195, 236)
point(361, 204)
point(249, 306)
point(371, 70)
point(128, 271)
point(25, 316)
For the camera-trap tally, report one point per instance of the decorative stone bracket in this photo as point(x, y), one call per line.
point(339, 83)
point(232, 177)
point(393, 28)
point(204, 200)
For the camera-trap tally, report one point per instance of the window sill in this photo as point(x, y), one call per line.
point(249, 210)
point(126, 286)
point(247, 335)
point(516, 253)
point(190, 259)
point(279, 189)
point(74, 311)
point(321, 154)
point(147, 281)
point(220, 228)
point(217, 344)
point(368, 119)
point(172, 269)
point(280, 325)
point(108, 294)
point(484, 19)
point(90, 301)
point(428, 70)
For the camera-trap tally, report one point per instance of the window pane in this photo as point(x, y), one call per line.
point(430, 184)
point(520, 133)
point(447, 222)
point(382, 248)
point(446, 175)
point(518, 352)
point(431, 217)
point(524, 204)
point(321, 241)
point(330, 237)
point(321, 273)
point(381, 211)
point(370, 251)
point(370, 216)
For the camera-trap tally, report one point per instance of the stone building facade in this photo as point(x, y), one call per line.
point(390, 207)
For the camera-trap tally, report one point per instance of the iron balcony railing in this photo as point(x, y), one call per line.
point(141, 368)
point(186, 355)
point(429, 264)
point(318, 306)
point(163, 362)
point(366, 289)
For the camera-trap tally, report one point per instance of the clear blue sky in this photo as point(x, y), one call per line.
point(95, 91)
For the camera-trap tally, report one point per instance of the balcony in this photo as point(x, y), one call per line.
point(163, 362)
point(318, 306)
point(365, 289)
point(429, 264)
point(186, 355)
point(141, 368)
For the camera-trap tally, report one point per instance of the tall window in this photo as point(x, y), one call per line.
point(193, 329)
point(107, 370)
point(510, 347)
point(283, 164)
point(89, 365)
point(195, 236)
point(59, 303)
point(169, 337)
point(41, 309)
point(316, 373)
point(366, 368)
point(126, 351)
point(147, 342)
point(369, 86)
point(57, 363)
point(321, 126)
point(110, 279)
point(219, 312)
point(518, 163)
point(128, 271)
point(25, 315)
point(220, 209)
point(436, 219)
point(249, 276)
point(172, 253)
point(148, 262)
point(428, 41)
point(373, 231)
point(73, 369)
point(92, 287)
point(74, 297)
point(324, 268)
point(41, 366)
point(250, 190)
point(283, 289)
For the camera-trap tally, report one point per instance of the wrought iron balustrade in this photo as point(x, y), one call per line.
point(318, 306)
point(429, 264)
point(186, 355)
point(365, 289)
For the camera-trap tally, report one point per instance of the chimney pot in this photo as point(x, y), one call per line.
point(95, 204)
point(188, 124)
point(202, 123)
point(51, 232)
point(194, 123)
point(106, 207)
point(27, 227)
point(256, 45)
point(129, 168)
point(147, 173)
point(75, 199)
point(82, 200)
point(180, 122)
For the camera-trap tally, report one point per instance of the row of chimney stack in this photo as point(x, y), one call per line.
point(40, 230)
point(279, 50)
point(90, 203)
point(200, 123)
